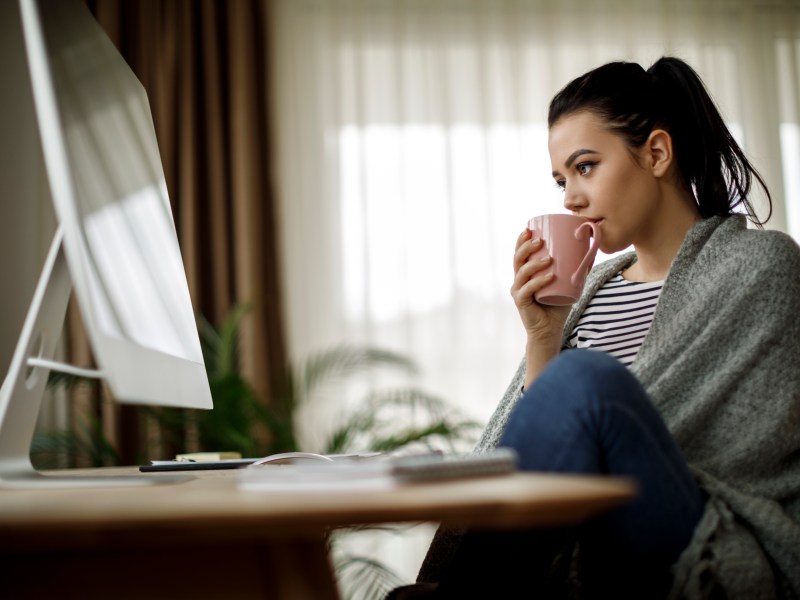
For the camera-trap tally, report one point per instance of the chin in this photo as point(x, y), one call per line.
point(611, 241)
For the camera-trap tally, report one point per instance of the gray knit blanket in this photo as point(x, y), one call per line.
point(722, 365)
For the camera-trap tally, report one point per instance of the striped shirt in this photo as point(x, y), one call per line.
point(617, 318)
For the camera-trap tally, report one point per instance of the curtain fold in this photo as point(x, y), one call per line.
point(203, 66)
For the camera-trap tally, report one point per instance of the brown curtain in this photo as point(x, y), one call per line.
point(204, 66)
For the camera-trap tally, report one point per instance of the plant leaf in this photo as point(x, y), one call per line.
point(344, 360)
point(228, 352)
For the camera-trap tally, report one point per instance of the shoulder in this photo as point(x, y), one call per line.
point(766, 254)
point(734, 247)
point(724, 263)
point(753, 270)
point(773, 245)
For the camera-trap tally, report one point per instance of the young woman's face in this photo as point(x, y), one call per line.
point(603, 180)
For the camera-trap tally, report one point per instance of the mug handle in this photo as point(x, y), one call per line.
point(590, 255)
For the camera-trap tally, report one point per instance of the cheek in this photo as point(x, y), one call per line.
point(625, 204)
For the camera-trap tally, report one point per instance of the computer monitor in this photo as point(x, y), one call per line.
point(116, 242)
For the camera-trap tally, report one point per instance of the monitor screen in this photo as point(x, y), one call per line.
point(110, 197)
point(116, 244)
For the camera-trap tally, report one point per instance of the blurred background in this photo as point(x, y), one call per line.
point(355, 173)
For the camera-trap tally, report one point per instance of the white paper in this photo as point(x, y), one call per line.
point(372, 475)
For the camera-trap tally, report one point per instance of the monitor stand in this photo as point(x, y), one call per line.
point(23, 389)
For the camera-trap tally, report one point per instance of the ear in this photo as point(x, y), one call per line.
point(658, 152)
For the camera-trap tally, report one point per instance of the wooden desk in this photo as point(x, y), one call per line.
point(207, 539)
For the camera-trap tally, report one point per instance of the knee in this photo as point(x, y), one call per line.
point(576, 378)
point(590, 366)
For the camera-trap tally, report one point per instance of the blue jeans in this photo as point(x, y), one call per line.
point(586, 413)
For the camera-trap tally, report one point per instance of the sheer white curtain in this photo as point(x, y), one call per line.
point(410, 145)
point(411, 150)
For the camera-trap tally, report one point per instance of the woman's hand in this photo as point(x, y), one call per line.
point(531, 275)
point(544, 325)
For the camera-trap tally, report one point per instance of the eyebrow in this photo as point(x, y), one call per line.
point(573, 156)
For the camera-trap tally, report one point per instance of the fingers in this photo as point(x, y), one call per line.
point(530, 279)
point(532, 272)
point(530, 257)
point(525, 235)
point(525, 247)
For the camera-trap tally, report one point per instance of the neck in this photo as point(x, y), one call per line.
point(656, 248)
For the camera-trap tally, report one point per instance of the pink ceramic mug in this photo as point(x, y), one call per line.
point(566, 239)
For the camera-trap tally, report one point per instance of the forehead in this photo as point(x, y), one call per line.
point(582, 130)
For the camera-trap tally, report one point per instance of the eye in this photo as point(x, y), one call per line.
point(561, 184)
point(585, 168)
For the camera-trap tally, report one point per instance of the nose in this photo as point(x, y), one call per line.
point(573, 201)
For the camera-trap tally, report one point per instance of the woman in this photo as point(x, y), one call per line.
point(700, 402)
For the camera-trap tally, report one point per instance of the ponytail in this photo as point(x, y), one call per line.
point(669, 95)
